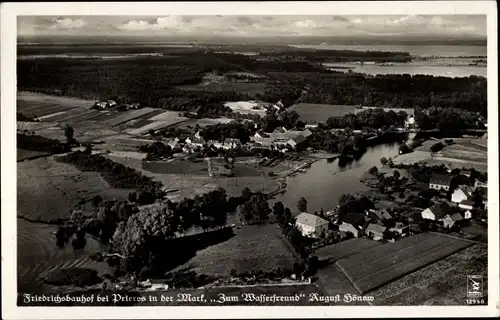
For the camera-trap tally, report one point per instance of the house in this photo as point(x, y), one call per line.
point(451, 220)
point(410, 122)
point(173, 144)
point(480, 184)
point(260, 135)
point(196, 142)
point(466, 172)
point(279, 130)
point(195, 112)
point(298, 143)
point(198, 135)
point(278, 106)
point(466, 204)
point(265, 142)
point(400, 228)
point(311, 126)
point(349, 228)
point(436, 212)
point(440, 182)
point(306, 133)
point(135, 105)
point(376, 231)
point(468, 214)
point(311, 225)
point(231, 143)
point(111, 103)
point(379, 215)
point(460, 194)
point(213, 143)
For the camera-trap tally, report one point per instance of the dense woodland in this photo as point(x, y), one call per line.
point(157, 81)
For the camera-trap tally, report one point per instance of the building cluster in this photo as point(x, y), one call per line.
point(282, 139)
point(462, 205)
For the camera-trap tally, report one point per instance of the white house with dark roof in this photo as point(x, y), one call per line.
point(460, 194)
point(349, 228)
point(311, 225)
point(440, 182)
point(297, 143)
point(436, 212)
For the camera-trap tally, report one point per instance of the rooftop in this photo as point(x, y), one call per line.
point(310, 220)
point(376, 228)
point(441, 179)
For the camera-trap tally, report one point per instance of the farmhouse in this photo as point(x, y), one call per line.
point(379, 215)
point(306, 133)
point(466, 204)
point(440, 182)
point(400, 228)
point(198, 135)
point(230, 143)
point(468, 214)
point(173, 144)
point(196, 142)
point(298, 143)
point(410, 121)
point(349, 228)
point(460, 194)
point(436, 212)
point(451, 220)
point(311, 225)
point(480, 184)
point(376, 231)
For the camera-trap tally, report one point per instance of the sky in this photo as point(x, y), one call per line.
point(473, 26)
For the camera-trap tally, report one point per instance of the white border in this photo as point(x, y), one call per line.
point(9, 11)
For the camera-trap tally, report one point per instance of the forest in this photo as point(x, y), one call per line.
point(155, 82)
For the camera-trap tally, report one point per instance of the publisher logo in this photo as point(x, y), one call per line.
point(475, 286)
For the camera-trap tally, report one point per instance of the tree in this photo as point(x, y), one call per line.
point(302, 205)
point(373, 170)
point(69, 133)
point(396, 174)
point(383, 161)
point(403, 149)
point(132, 197)
point(246, 193)
point(279, 210)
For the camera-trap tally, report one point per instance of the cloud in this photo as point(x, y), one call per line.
point(68, 23)
point(265, 26)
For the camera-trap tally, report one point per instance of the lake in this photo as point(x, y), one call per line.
point(321, 188)
point(414, 50)
point(452, 71)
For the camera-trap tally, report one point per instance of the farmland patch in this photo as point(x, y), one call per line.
point(344, 249)
point(373, 268)
point(252, 249)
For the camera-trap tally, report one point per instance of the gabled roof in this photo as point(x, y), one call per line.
point(298, 139)
point(195, 110)
point(306, 133)
point(310, 220)
point(467, 202)
point(456, 217)
point(466, 190)
point(376, 228)
point(440, 210)
point(197, 141)
point(232, 140)
point(441, 179)
point(211, 142)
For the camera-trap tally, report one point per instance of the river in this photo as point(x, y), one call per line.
point(321, 188)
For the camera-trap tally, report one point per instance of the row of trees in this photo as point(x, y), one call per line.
point(116, 174)
point(448, 120)
point(369, 118)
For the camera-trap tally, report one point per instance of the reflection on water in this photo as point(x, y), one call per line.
point(325, 181)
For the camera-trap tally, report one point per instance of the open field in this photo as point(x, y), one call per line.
point(332, 281)
point(441, 283)
point(227, 86)
point(252, 249)
point(158, 121)
point(48, 190)
point(371, 269)
point(315, 113)
point(337, 251)
point(38, 254)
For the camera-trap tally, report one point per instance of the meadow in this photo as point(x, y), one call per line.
point(314, 113)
